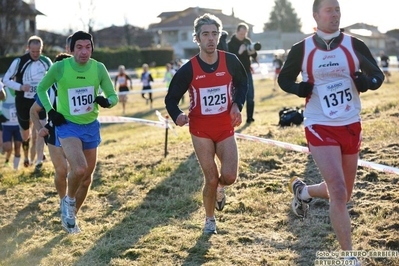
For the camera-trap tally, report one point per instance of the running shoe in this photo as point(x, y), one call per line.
point(38, 167)
point(75, 230)
point(299, 206)
point(220, 198)
point(210, 226)
point(26, 162)
point(68, 218)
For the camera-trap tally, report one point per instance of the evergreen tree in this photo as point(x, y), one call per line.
point(283, 18)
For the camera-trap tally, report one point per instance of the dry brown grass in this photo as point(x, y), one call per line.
point(144, 209)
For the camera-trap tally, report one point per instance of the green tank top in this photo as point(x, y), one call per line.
point(77, 90)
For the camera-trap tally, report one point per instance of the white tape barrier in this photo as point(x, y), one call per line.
point(379, 167)
point(284, 145)
point(142, 91)
point(164, 123)
point(123, 119)
point(289, 146)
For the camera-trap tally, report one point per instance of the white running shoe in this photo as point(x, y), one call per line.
point(68, 218)
point(299, 206)
point(210, 226)
point(220, 198)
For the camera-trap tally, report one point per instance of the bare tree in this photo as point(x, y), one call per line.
point(87, 14)
point(127, 29)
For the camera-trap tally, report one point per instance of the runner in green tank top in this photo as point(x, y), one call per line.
point(78, 86)
point(79, 79)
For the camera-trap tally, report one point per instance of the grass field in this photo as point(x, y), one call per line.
point(146, 209)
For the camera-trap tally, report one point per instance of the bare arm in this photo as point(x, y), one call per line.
point(34, 115)
point(2, 94)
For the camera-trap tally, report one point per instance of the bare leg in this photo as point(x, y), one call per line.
point(61, 169)
point(39, 143)
point(339, 173)
point(228, 155)
point(226, 151)
point(25, 134)
point(81, 193)
point(205, 151)
point(74, 153)
point(33, 149)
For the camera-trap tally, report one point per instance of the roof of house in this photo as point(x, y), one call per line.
point(115, 36)
point(364, 30)
point(27, 9)
point(186, 18)
point(20, 8)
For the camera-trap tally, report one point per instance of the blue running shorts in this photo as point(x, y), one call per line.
point(89, 134)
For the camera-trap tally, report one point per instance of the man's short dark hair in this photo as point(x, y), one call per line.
point(61, 56)
point(81, 35)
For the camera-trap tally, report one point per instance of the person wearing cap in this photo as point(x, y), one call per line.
point(75, 119)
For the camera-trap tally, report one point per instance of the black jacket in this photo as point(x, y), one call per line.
point(234, 45)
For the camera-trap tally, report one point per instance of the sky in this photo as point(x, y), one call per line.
point(74, 14)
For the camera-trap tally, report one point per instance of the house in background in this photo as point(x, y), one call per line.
point(373, 38)
point(176, 28)
point(272, 40)
point(52, 41)
point(119, 36)
point(173, 31)
point(17, 24)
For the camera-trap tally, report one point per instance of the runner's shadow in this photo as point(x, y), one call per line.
point(198, 253)
point(165, 203)
point(21, 229)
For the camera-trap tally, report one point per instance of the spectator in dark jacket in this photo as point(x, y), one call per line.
point(238, 45)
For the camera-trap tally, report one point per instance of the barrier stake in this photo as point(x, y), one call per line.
point(166, 135)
